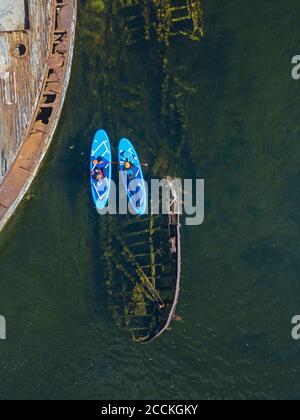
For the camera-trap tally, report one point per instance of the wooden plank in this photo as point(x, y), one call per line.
point(34, 96)
point(21, 79)
point(12, 15)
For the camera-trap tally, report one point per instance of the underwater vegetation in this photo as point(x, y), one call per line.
point(163, 19)
point(134, 84)
point(142, 274)
point(140, 95)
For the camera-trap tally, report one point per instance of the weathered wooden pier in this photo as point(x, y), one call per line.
point(36, 50)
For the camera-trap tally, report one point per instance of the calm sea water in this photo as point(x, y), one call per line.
point(240, 129)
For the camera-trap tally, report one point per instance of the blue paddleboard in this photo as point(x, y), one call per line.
point(133, 177)
point(100, 169)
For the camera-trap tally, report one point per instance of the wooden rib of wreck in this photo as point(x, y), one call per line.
point(36, 51)
point(164, 19)
point(143, 271)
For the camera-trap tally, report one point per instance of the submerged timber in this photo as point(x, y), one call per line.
point(143, 272)
point(142, 258)
point(36, 51)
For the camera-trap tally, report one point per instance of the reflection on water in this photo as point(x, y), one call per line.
point(224, 109)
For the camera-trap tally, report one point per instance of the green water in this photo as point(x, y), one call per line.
point(238, 122)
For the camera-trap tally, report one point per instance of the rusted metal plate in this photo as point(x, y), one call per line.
point(35, 66)
point(12, 15)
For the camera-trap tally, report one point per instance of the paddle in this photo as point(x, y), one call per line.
point(122, 163)
point(117, 163)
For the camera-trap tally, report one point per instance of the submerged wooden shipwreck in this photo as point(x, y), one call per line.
point(36, 50)
point(143, 271)
point(142, 258)
point(163, 19)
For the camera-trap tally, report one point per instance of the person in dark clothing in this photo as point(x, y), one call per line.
point(98, 172)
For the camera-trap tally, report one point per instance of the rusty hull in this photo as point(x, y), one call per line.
point(35, 67)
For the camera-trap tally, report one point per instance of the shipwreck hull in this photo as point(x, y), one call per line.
point(36, 51)
point(143, 272)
